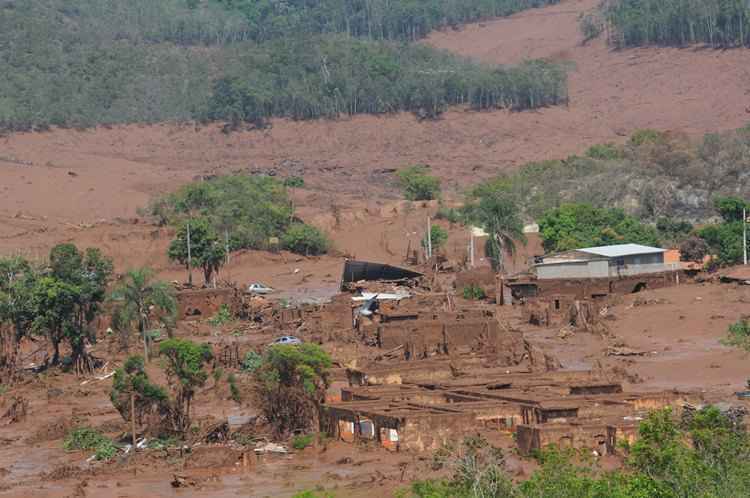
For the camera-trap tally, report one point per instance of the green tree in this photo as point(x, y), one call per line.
point(206, 249)
point(292, 381)
point(137, 297)
point(185, 373)
point(305, 239)
point(725, 241)
point(417, 184)
point(573, 226)
point(438, 237)
point(18, 279)
point(731, 208)
point(132, 389)
point(69, 297)
point(493, 208)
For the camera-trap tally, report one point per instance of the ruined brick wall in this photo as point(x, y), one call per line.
point(207, 302)
point(483, 277)
point(427, 433)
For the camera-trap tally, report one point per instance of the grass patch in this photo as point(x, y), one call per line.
point(738, 335)
point(86, 438)
point(473, 292)
point(300, 442)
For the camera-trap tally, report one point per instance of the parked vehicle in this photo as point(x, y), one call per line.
point(287, 339)
point(259, 288)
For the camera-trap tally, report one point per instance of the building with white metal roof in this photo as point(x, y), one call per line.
point(603, 262)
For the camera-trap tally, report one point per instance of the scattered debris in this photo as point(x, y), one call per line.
point(270, 448)
point(624, 351)
point(179, 481)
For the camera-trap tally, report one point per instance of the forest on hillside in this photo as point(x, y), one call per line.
point(373, 19)
point(81, 63)
point(718, 23)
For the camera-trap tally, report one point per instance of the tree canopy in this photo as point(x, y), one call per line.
point(185, 362)
point(138, 299)
point(292, 380)
point(493, 208)
point(67, 298)
point(90, 62)
point(417, 184)
point(719, 23)
point(206, 248)
point(573, 226)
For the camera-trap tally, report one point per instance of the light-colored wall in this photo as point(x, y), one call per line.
point(651, 263)
point(629, 270)
point(574, 269)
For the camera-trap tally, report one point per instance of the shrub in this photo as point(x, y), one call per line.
point(738, 334)
point(223, 316)
point(474, 292)
point(294, 182)
point(300, 442)
point(605, 152)
point(452, 215)
point(418, 185)
point(305, 239)
point(591, 26)
point(105, 450)
point(646, 136)
point(83, 438)
point(438, 237)
point(86, 438)
point(693, 249)
point(252, 362)
point(234, 391)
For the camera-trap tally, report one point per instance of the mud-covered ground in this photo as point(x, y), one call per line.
point(675, 332)
point(85, 187)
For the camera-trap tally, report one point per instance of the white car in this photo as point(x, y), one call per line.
point(287, 339)
point(259, 288)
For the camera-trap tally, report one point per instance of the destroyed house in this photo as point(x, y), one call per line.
point(603, 262)
point(565, 408)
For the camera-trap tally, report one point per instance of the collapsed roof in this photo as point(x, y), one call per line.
point(355, 271)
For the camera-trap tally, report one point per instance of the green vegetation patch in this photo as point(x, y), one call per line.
point(718, 23)
point(300, 442)
point(738, 334)
point(86, 438)
point(88, 62)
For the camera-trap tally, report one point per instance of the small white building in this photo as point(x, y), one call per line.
point(603, 262)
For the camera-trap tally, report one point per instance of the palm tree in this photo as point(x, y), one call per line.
point(497, 214)
point(138, 296)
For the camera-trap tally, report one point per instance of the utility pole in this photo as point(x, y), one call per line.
point(132, 413)
point(429, 238)
point(226, 244)
point(190, 259)
point(744, 233)
point(471, 246)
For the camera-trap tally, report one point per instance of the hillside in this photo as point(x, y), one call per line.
point(612, 93)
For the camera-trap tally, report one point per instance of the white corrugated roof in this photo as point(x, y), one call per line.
point(621, 250)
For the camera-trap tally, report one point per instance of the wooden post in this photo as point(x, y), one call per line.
point(132, 414)
point(190, 259)
point(471, 246)
point(429, 238)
